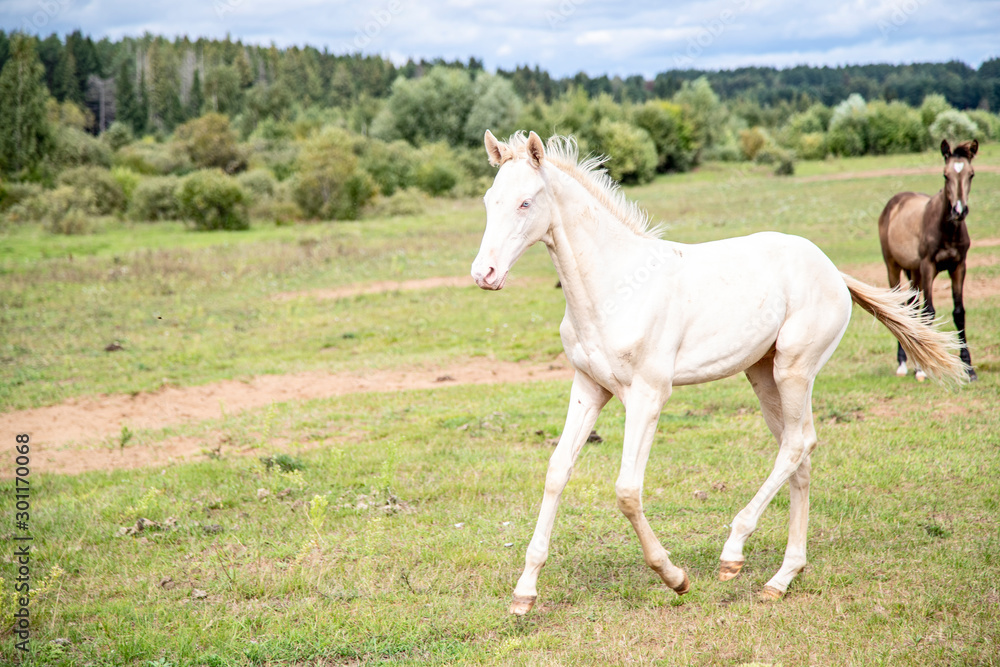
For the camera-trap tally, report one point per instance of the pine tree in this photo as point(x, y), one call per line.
point(65, 86)
point(126, 102)
point(196, 99)
point(24, 131)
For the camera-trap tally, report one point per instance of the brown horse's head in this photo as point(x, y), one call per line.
point(958, 175)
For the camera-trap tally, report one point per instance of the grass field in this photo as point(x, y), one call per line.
point(390, 528)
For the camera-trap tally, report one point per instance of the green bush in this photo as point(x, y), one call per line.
point(848, 133)
point(260, 184)
point(391, 165)
point(988, 123)
point(933, 105)
point(63, 210)
point(118, 135)
point(631, 151)
point(328, 184)
point(153, 159)
point(954, 126)
point(155, 198)
point(812, 146)
point(74, 148)
point(212, 200)
point(752, 141)
point(127, 180)
point(409, 201)
point(12, 194)
point(278, 211)
point(665, 124)
point(108, 194)
point(895, 128)
point(210, 143)
point(436, 177)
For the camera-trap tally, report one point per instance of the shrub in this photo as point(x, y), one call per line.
point(327, 185)
point(391, 165)
point(752, 141)
point(153, 159)
point(117, 135)
point(436, 177)
point(259, 183)
point(671, 135)
point(988, 123)
point(107, 193)
point(954, 126)
point(812, 146)
point(155, 198)
point(74, 148)
point(212, 200)
point(933, 105)
point(12, 194)
point(64, 210)
point(895, 128)
point(632, 153)
point(409, 201)
point(209, 142)
point(849, 127)
point(127, 180)
point(278, 211)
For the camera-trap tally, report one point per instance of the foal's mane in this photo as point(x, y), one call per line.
point(564, 154)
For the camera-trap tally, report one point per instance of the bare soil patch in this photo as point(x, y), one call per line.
point(78, 435)
point(378, 287)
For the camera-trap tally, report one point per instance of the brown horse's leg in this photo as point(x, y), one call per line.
point(924, 278)
point(957, 282)
point(894, 269)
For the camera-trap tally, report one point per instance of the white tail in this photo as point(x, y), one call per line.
point(932, 349)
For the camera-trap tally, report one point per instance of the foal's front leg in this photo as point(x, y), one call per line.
point(957, 283)
point(642, 411)
point(586, 399)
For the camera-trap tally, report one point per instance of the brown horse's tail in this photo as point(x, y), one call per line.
point(932, 349)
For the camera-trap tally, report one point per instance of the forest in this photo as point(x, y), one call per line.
point(219, 133)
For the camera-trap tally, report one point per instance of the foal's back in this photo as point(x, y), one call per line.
point(900, 227)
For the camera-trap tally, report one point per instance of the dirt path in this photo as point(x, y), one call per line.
point(878, 173)
point(379, 287)
point(75, 436)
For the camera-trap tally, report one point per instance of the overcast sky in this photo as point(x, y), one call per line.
point(561, 36)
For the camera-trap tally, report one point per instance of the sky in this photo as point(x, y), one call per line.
point(561, 36)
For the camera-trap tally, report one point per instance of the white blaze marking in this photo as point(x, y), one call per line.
point(958, 207)
point(959, 166)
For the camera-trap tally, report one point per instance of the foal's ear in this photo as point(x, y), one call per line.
point(945, 149)
point(536, 150)
point(493, 151)
point(973, 148)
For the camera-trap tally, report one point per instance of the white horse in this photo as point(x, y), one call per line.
point(644, 315)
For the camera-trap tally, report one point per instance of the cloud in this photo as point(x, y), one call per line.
point(561, 36)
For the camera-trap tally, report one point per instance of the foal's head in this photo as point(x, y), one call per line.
point(958, 173)
point(518, 209)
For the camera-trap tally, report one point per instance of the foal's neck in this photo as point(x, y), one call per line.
point(592, 251)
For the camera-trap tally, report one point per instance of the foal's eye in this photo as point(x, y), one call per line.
point(526, 203)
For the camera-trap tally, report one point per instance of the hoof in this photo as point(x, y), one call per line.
point(770, 593)
point(901, 371)
point(684, 587)
point(921, 376)
point(972, 375)
point(729, 569)
point(522, 604)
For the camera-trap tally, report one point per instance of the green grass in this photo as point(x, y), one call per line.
point(246, 569)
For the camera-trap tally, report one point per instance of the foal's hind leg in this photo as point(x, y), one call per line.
point(786, 400)
point(957, 282)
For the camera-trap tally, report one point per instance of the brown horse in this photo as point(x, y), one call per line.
point(923, 236)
